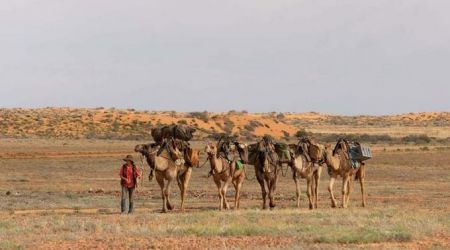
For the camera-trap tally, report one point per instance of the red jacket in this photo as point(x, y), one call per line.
point(131, 176)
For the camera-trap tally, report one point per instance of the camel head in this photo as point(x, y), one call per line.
point(267, 160)
point(210, 150)
point(192, 157)
point(141, 148)
point(328, 152)
point(243, 151)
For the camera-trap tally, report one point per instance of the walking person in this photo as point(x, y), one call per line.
point(129, 174)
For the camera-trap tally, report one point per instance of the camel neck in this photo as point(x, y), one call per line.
point(332, 160)
point(150, 160)
point(216, 163)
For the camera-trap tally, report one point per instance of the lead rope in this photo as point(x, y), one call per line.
point(141, 168)
point(207, 159)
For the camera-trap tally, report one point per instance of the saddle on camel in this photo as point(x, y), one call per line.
point(233, 151)
point(313, 151)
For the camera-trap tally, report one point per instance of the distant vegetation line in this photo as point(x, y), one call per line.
point(130, 124)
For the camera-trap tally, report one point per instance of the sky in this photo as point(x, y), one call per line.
point(342, 57)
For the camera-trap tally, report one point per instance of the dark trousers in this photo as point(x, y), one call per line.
point(126, 192)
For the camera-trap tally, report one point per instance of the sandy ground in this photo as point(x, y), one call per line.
point(69, 192)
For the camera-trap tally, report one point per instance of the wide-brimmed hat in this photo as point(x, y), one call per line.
point(128, 158)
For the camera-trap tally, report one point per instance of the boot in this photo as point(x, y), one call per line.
point(122, 206)
point(130, 210)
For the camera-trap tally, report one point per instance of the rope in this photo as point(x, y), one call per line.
point(207, 159)
point(142, 169)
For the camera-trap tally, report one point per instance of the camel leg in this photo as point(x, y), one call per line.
point(363, 196)
point(185, 183)
point(167, 194)
point(160, 180)
point(361, 174)
point(180, 181)
point(330, 189)
point(273, 188)
point(224, 195)
point(316, 187)
point(236, 194)
point(219, 189)
point(349, 189)
point(309, 191)
point(313, 190)
point(297, 189)
point(361, 182)
point(345, 181)
point(238, 185)
point(260, 179)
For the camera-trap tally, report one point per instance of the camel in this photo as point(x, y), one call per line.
point(223, 173)
point(168, 169)
point(267, 168)
point(304, 169)
point(339, 164)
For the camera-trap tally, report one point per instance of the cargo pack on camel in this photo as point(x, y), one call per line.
point(356, 152)
point(284, 152)
point(312, 150)
point(181, 132)
point(231, 149)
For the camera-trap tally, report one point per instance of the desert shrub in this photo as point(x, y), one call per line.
point(256, 123)
point(286, 135)
point(203, 116)
point(252, 125)
point(228, 126)
point(184, 122)
point(443, 140)
point(280, 116)
point(247, 135)
point(247, 127)
point(417, 139)
point(302, 133)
